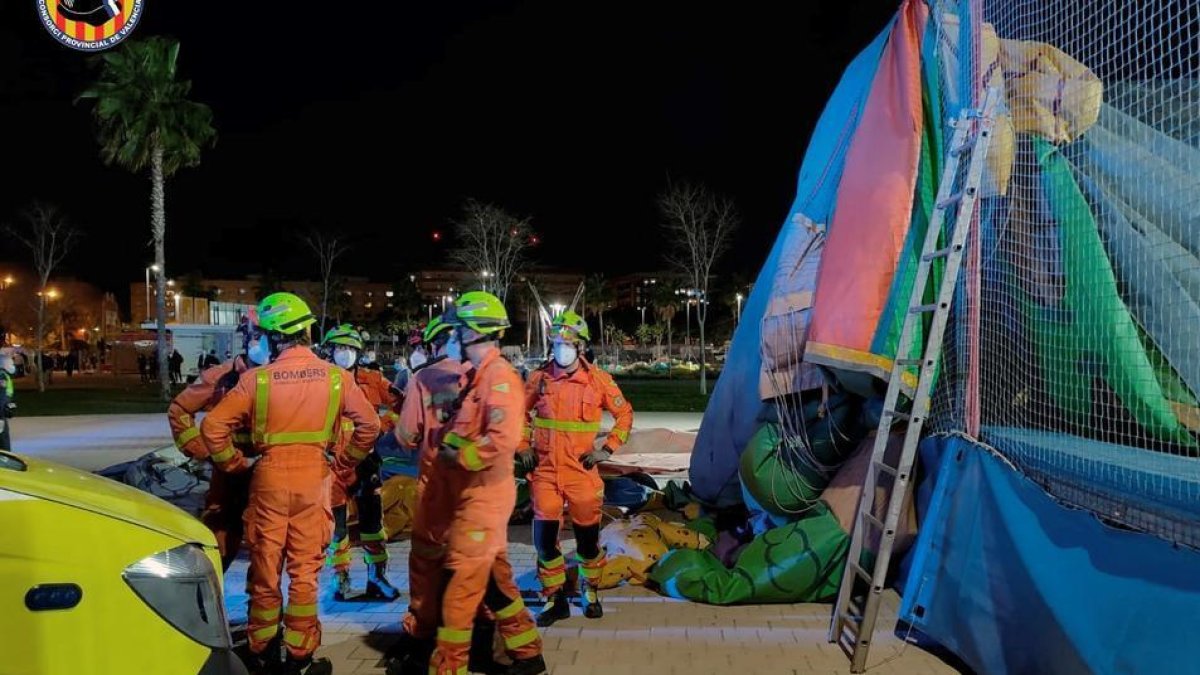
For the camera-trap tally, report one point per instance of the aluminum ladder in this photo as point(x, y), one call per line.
point(857, 608)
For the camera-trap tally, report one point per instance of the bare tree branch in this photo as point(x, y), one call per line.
point(327, 248)
point(698, 225)
point(492, 245)
point(49, 238)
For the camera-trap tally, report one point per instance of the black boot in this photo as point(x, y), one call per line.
point(481, 659)
point(409, 656)
point(590, 602)
point(531, 666)
point(556, 608)
point(267, 662)
point(378, 586)
point(344, 590)
point(307, 666)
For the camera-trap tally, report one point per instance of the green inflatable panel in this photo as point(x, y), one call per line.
point(783, 483)
point(799, 562)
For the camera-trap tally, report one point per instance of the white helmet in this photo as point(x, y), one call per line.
point(7, 364)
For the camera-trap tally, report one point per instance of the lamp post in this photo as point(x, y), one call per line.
point(738, 318)
point(152, 268)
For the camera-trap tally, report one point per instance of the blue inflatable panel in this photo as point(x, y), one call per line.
point(1014, 582)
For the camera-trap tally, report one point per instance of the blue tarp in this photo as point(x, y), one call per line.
point(733, 411)
point(1014, 582)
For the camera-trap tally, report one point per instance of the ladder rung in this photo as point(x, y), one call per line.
point(963, 147)
point(850, 621)
point(888, 469)
point(942, 252)
point(951, 200)
point(924, 309)
point(909, 362)
point(870, 517)
point(897, 415)
point(858, 568)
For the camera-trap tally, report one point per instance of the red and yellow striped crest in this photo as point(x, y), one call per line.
point(90, 25)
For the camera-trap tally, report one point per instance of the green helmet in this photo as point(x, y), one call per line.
point(435, 328)
point(480, 311)
point(345, 335)
point(570, 324)
point(284, 313)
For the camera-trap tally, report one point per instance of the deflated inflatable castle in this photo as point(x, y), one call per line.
point(1055, 525)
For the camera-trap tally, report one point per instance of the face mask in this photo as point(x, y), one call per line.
point(565, 354)
point(454, 348)
point(417, 359)
point(260, 351)
point(344, 357)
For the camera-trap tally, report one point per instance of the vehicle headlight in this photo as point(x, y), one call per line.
point(182, 587)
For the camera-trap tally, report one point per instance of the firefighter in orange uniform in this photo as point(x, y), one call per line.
point(566, 399)
point(292, 406)
point(342, 345)
point(476, 452)
point(225, 502)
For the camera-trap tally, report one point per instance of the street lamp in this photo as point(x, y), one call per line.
point(739, 307)
point(152, 268)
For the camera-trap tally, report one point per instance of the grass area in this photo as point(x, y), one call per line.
point(131, 399)
point(112, 398)
point(663, 395)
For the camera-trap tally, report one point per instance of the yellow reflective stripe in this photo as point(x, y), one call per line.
point(264, 634)
point(347, 424)
point(591, 573)
point(393, 415)
point(335, 401)
point(264, 613)
point(187, 435)
point(262, 394)
point(357, 452)
point(554, 579)
point(222, 456)
point(512, 610)
point(455, 441)
point(551, 564)
point(372, 558)
point(521, 639)
point(566, 425)
point(301, 610)
point(376, 536)
point(454, 636)
point(621, 434)
point(461, 670)
point(342, 558)
point(286, 437)
point(470, 458)
point(299, 640)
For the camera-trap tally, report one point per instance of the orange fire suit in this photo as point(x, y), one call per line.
point(225, 502)
point(428, 404)
point(364, 484)
point(565, 411)
point(291, 407)
point(485, 431)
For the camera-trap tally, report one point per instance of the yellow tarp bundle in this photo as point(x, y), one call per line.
point(634, 545)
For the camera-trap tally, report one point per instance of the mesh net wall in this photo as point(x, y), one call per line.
point(1074, 348)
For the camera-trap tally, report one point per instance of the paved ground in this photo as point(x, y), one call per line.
point(642, 633)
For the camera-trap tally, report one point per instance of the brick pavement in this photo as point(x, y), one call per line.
point(641, 633)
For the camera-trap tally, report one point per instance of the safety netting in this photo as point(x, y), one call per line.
point(1075, 346)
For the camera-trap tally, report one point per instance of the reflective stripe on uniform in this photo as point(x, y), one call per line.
point(621, 434)
point(375, 558)
point(552, 579)
point(455, 441)
point(222, 456)
point(521, 639)
point(301, 610)
point(373, 536)
point(512, 610)
point(470, 457)
point(461, 670)
point(264, 613)
point(357, 452)
point(187, 436)
point(347, 425)
point(454, 636)
point(301, 641)
point(264, 634)
point(566, 425)
point(262, 396)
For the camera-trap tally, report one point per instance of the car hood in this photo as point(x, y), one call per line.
point(72, 487)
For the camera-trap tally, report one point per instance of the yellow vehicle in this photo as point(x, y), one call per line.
point(100, 578)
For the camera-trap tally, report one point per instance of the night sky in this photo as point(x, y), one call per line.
point(380, 123)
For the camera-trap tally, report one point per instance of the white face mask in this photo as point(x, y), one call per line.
point(565, 354)
point(344, 356)
point(453, 349)
point(260, 351)
point(417, 359)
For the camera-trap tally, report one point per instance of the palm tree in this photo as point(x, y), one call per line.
point(665, 308)
point(146, 121)
point(598, 295)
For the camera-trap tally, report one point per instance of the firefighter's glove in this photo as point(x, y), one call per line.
point(526, 461)
point(594, 457)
